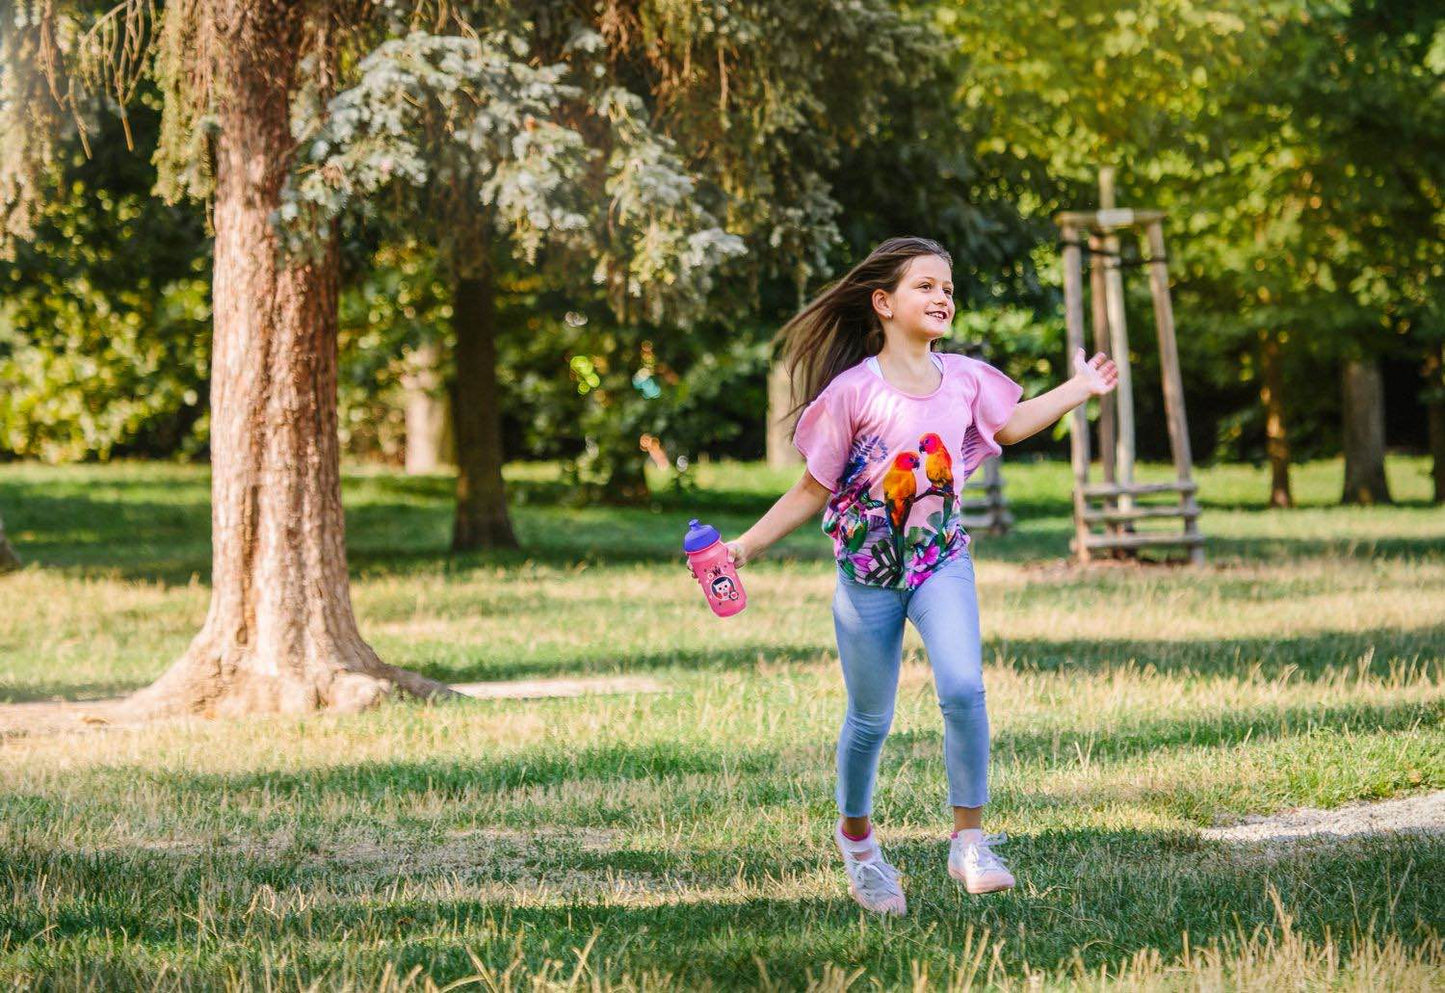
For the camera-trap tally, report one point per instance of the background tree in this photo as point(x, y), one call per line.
point(766, 124)
point(9, 561)
point(1373, 97)
point(1296, 147)
point(280, 633)
point(1050, 98)
point(557, 156)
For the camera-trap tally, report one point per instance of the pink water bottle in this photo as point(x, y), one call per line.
point(707, 557)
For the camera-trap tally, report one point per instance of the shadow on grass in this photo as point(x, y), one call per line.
point(1097, 897)
point(746, 777)
point(737, 659)
point(1318, 655)
point(399, 525)
point(1134, 739)
point(170, 544)
point(1314, 655)
point(69, 692)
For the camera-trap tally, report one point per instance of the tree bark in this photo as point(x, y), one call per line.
point(280, 634)
point(481, 520)
point(9, 561)
point(781, 452)
point(1276, 435)
point(1363, 393)
point(428, 414)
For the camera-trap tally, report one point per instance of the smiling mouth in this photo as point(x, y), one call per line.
point(938, 313)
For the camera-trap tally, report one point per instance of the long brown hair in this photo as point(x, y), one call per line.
point(839, 328)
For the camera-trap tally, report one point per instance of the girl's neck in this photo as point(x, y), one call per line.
point(908, 357)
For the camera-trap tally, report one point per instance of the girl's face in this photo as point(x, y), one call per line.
point(922, 304)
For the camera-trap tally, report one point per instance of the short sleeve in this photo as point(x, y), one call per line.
point(823, 434)
point(993, 403)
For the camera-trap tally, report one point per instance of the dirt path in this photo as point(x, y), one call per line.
point(72, 716)
point(1423, 814)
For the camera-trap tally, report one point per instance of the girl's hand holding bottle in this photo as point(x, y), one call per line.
point(738, 552)
point(713, 565)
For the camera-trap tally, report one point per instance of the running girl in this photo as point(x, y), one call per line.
point(890, 430)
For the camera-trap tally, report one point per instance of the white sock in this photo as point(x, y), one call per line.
point(970, 836)
point(863, 847)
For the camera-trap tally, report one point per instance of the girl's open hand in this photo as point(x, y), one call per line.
point(1099, 375)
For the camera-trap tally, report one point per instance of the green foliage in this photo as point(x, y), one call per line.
point(1296, 146)
point(492, 128)
point(104, 316)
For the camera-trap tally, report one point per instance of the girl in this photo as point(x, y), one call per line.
point(890, 431)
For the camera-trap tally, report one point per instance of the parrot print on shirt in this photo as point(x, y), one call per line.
point(900, 487)
point(877, 545)
point(937, 463)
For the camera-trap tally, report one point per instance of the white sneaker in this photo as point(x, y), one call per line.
point(871, 880)
point(971, 860)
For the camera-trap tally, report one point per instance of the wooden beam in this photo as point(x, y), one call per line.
point(1169, 367)
point(1118, 344)
point(1139, 489)
point(1106, 220)
point(1107, 516)
point(1100, 312)
point(1079, 419)
point(1144, 540)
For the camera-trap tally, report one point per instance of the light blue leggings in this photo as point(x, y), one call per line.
point(868, 621)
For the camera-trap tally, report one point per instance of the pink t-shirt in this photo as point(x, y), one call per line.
point(896, 464)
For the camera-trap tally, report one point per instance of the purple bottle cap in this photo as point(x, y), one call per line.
point(699, 536)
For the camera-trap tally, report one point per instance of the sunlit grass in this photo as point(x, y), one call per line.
point(680, 839)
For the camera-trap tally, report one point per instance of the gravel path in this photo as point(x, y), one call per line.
point(1424, 814)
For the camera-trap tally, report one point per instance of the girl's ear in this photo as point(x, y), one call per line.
point(882, 306)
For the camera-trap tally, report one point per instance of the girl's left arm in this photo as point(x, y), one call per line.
point(1092, 378)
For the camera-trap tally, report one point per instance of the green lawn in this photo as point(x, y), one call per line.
point(682, 839)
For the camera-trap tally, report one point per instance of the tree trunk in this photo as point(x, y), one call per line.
point(428, 414)
point(280, 634)
point(481, 520)
point(1435, 414)
point(9, 561)
point(781, 452)
point(626, 484)
point(1364, 433)
point(1276, 436)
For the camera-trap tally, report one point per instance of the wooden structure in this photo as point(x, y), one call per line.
point(988, 510)
point(1114, 504)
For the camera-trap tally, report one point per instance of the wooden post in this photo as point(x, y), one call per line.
point(1079, 419)
point(1099, 307)
point(998, 516)
point(1173, 384)
point(1119, 345)
point(1100, 315)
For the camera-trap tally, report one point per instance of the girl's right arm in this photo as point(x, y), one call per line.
point(802, 502)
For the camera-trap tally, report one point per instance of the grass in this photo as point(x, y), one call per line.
point(681, 839)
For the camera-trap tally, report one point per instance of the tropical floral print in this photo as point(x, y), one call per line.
point(870, 543)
